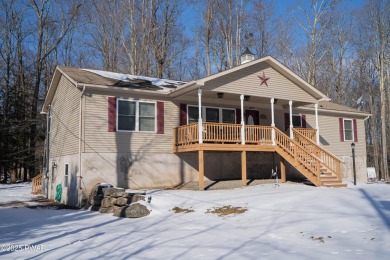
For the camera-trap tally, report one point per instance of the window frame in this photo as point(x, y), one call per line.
point(188, 114)
point(300, 117)
point(137, 116)
point(66, 175)
point(220, 113)
point(352, 129)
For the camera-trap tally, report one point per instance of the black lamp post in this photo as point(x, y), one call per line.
point(353, 162)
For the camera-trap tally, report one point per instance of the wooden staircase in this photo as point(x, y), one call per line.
point(328, 179)
point(315, 163)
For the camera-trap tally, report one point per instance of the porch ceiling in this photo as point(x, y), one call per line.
point(210, 96)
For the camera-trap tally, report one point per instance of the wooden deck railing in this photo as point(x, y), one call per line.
point(185, 135)
point(299, 153)
point(329, 160)
point(222, 133)
point(302, 150)
point(308, 133)
point(255, 134)
point(37, 184)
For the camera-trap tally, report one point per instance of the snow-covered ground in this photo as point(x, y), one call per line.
point(289, 221)
point(16, 192)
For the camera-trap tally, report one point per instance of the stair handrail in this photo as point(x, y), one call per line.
point(307, 132)
point(299, 153)
point(330, 161)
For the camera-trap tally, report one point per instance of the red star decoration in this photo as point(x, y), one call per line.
point(263, 79)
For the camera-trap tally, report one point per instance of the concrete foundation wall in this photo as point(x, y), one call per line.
point(153, 170)
point(347, 168)
point(70, 192)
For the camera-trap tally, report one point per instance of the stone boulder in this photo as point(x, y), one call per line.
point(122, 201)
point(108, 192)
point(136, 198)
point(134, 210)
point(107, 210)
point(108, 202)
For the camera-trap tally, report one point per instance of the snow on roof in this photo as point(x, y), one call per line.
point(163, 85)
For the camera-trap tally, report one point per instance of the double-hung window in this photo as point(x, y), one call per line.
point(135, 115)
point(348, 130)
point(212, 114)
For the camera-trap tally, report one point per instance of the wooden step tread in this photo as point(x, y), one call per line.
point(329, 179)
point(336, 185)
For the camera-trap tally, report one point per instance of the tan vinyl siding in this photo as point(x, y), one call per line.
point(330, 135)
point(246, 81)
point(64, 136)
point(98, 139)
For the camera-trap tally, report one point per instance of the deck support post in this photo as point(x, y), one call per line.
point(282, 169)
point(243, 168)
point(291, 122)
point(242, 120)
point(200, 127)
point(201, 169)
point(317, 127)
point(272, 121)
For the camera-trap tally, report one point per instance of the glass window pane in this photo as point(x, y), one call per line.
point(296, 121)
point(146, 124)
point(348, 136)
point(193, 115)
point(348, 130)
point(212, 115)
point(228, 116)
point(348, 125)
point(146, 109)
point(126, 123)
point(126, 107)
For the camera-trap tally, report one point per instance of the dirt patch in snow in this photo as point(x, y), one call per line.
point(38, 202)
point(181, 210)
point(13, 204)
point(227, 210)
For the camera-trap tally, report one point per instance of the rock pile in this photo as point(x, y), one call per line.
point(118, 201)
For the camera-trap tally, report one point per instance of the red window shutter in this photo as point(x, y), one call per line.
point(183, 114)
point(341, 129)
point(355, 136)
point(303, 121)
point(111, 114)
point(160, 117)
point(286, 121)
point(238, 116)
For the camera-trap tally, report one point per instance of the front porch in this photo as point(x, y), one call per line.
point(315, 163)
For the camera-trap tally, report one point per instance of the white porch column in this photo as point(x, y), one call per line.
point(291, 122)
point(242, 120)
point(272, 121)
point(317, 127)
point(200, 127)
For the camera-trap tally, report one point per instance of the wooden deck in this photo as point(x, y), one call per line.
point(315, 163)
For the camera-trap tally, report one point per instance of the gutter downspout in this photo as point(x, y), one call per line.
point(80, 140)
point(45, 186)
